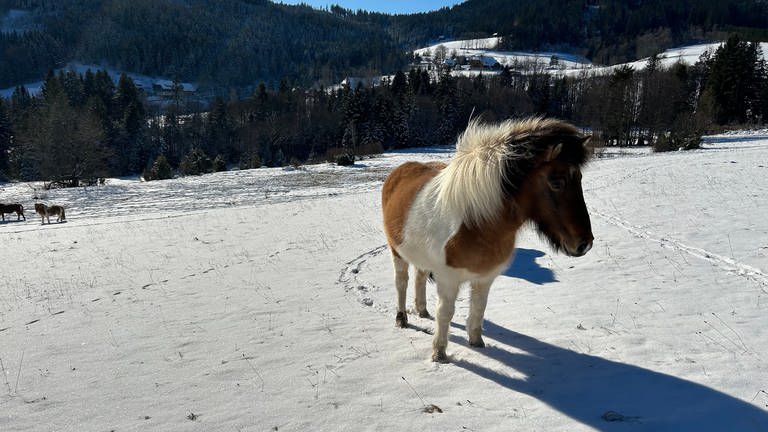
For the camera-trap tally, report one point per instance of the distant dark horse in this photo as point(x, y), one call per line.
point(46, 212)
point(458, 221)
point(13, 208)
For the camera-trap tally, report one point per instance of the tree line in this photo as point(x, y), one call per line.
point(604, 31)
point(232, 45)
point(86, 126)
point(221, 45)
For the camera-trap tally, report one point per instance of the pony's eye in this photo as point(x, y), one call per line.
point(557, 183)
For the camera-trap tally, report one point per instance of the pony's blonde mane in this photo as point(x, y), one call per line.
point(472, 185)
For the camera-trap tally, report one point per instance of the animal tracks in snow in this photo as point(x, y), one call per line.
point(357, 278)
point(349, 279)
point(725, 263)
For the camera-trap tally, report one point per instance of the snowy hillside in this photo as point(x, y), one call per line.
point(262, 300)
point(564, 63)
point(687, 55)
point(487, 48)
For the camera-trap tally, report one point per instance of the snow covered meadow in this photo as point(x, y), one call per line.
point(262, 300)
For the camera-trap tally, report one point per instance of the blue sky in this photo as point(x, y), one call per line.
point(389, 6)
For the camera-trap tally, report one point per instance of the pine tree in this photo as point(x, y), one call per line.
point(172, 143)
point(52, 87)
point(103, 88)
point(63, 143)
point(449, 108)
point(652, 115)
point(196, 162)
point(219, 129)
point(128, 104)
point(734, 82)
point(21, 101)
point(620, 114)
point(160, 170)
point(399, 86)
point(126, 126)
point(5, 140)
point(73, 86)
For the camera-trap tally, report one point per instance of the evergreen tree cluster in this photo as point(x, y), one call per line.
point(79, 127)
point(235, 44)
point(605, 31)
point(85, 126)
point(220, 44)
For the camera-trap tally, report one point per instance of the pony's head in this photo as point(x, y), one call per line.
point(527, 170)
point(546, 186)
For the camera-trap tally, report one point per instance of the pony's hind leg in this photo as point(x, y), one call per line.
point(420, 288)
point(477, 302)
point(401, 284)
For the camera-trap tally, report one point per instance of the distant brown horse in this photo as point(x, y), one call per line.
point(458, 221)
point(13, 208)
point(46, 212)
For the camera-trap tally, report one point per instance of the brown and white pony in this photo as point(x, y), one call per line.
point(13, 208)
point(46, 212)
point(457, 222)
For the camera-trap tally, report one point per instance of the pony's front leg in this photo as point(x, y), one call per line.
point(446, 304)
point(401, 284)
point(477, 303)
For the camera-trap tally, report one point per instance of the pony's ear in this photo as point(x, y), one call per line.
point(553, 151)
point(585, 140)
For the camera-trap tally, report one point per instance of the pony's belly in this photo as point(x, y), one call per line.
point(436, 264)
point(421, 258)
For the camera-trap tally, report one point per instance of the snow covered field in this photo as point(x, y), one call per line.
point(262, 300)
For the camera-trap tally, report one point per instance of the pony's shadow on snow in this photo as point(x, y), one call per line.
point(524, 266)
point(600, 393)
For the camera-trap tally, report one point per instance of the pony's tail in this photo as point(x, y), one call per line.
point(63, 216)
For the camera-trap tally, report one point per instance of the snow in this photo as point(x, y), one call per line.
point(567, 63)
point(487, 48)
point(687, 55)
point(263, 300)
point(465, 44)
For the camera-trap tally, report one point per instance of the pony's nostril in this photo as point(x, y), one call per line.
point(584, 247)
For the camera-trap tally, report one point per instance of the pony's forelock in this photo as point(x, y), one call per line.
point(492, 158)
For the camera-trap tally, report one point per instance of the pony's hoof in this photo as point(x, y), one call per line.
point(440, 356)
point(424, 314)
point(401, 320)
point(477, 343)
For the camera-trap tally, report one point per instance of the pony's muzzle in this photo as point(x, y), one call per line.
point(578, 247)
point(583, 248)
